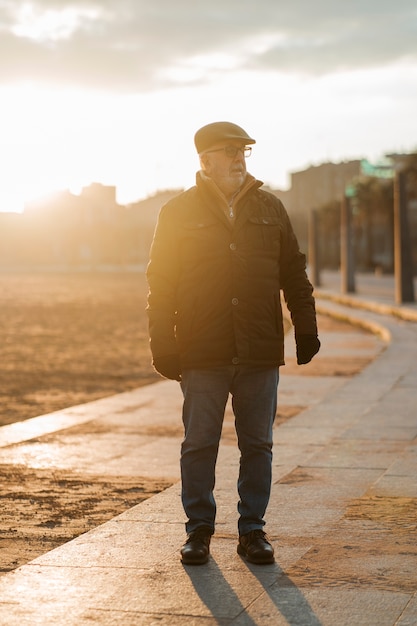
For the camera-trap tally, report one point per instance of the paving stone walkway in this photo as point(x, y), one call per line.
point(342, 515)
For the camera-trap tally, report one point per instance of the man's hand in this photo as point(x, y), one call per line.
point(168, 366)
point(307, 347)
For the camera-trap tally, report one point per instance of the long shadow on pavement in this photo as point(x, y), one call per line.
point(263, 592)
point(284, 595)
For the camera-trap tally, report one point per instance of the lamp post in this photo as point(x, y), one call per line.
point(313, 248)
point(403, 266)
point(347, 263)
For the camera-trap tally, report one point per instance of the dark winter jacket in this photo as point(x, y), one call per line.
point(215, 285)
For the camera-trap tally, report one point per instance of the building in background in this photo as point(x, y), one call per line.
point(92, 230)
point(315, 187)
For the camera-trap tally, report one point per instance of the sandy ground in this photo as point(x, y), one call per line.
point(66, 339)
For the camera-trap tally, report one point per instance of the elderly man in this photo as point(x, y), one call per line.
point(222, 252)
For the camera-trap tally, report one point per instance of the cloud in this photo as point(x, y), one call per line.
point(138, 45)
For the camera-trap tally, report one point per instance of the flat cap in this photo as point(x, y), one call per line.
point(216, 132)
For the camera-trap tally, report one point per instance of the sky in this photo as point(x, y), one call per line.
point(112, 91)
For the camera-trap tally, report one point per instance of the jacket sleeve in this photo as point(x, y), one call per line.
point(296, 287)
point(162, 275)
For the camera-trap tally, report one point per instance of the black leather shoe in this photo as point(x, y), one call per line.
point(255, 547)
point(196, 549)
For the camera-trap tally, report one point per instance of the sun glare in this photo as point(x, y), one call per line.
point(39, 138)
point(64, 138)
point(58, 139)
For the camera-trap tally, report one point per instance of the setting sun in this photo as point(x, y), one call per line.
point(38, 142)
point(54, 139)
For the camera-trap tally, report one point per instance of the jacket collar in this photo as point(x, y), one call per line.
point(209, 187)
point(202, 180)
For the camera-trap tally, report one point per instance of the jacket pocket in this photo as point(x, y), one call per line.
point(264, 232)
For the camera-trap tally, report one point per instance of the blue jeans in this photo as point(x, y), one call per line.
point(254, 402)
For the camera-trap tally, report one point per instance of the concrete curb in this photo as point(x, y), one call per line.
point(405, 312)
